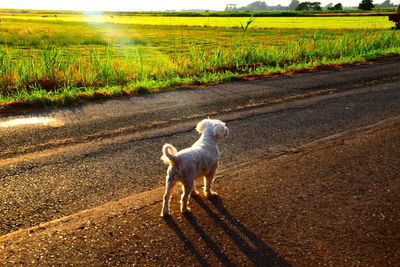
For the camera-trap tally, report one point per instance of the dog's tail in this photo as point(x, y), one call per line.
point(169, 154)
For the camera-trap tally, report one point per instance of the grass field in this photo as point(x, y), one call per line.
point(317, 22)
point(63, 59)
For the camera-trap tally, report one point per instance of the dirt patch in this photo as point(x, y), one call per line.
point(332, 204)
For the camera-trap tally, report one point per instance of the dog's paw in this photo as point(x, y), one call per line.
point(211, 194)
point(187, 210)
point(164, 214)
point(195, 193)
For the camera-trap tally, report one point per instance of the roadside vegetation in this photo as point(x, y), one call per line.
point(66, 59)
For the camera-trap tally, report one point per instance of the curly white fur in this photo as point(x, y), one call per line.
point(199, 160)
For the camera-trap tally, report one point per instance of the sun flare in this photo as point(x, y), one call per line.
point(43, 121)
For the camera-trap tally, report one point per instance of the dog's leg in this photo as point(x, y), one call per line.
point(208, 180)
point(194, 191)
point(187, 190)
point(169, 185)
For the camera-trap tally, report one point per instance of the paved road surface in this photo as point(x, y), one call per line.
point(85, 156)
point(331, 204)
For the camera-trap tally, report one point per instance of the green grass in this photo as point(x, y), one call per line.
point(68, 59)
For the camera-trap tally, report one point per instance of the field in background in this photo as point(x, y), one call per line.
point(315, 22)
point(60, 59)
point(210, 13)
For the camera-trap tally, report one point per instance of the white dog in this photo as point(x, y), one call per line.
point(200, 160)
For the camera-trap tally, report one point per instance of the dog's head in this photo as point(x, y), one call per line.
point(215, 127)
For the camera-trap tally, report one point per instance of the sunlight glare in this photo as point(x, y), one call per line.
point(41, 121)
point(91, 17)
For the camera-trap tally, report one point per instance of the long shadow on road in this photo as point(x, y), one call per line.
point(250, 245)
point(188, 245)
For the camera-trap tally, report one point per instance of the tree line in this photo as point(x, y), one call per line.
point(300, 6)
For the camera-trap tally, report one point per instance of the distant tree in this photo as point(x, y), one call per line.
point(230, 7)
point(257, 6)
point(293, 4)
point(329, 6)
point(309, 6)
point(338, 6)
point(385, 3)
point(366, 5)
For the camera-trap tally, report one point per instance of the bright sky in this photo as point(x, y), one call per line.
point(149, 5)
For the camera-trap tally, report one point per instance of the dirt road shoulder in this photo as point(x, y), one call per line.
point(335, 203)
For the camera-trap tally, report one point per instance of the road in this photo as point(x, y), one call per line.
point(58, 162)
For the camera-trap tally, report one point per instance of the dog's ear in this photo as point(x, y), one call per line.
point(201, 126)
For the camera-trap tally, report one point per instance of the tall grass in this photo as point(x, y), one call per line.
point(59, 76)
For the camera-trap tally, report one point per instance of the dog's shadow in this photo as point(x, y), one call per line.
point(250, 245)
